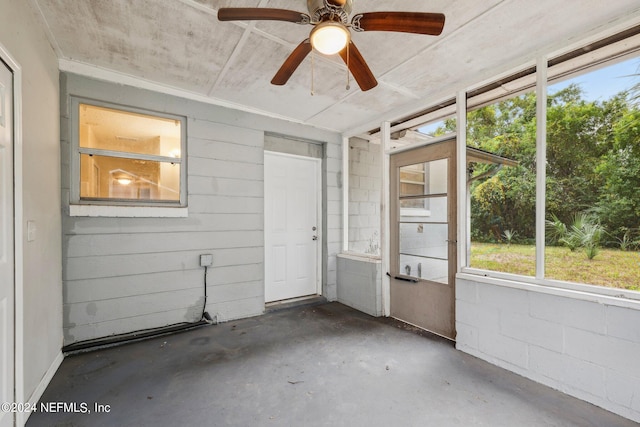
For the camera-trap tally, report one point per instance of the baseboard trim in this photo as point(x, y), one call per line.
point(42, 386)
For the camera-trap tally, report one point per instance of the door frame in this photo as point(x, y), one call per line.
point(319, 215)
point(18, 278)
point(446, 147)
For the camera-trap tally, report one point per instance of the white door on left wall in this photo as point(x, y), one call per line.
point(292, 226)
point(7, 327)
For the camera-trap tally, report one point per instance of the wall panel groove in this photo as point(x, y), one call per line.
point(125, 274)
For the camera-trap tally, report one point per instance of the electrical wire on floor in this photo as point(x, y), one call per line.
point(205, 316)
point(129, 337)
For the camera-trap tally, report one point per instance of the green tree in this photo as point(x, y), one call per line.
point(593, 164)
point(579, 134)
point(618, 205)
point(506, 201)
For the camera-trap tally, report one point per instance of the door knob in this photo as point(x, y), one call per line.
point(314, 238)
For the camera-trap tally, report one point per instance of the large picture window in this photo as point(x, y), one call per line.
point(127, 156)
point(501, 179)
point(561, 202)
point(593, 176)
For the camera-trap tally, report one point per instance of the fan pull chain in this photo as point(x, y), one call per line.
point(312, 62)
point(348, 68)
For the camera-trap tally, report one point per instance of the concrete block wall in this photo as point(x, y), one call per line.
point(125, 274)
point(585, 345)
point(365, 186)
point(360, 283)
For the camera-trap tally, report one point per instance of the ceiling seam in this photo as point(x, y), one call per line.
point(232, 58)
point(200, 7)
point(105, 74)
point(443, 39)
point(243, 25)
point(236, 50)
point(401, 89)
point(384, 116)
point(249, 29)
point(350, 95)
point(47, 29)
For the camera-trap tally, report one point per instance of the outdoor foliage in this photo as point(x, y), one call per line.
point(584, 232)
point(612, 267)
point(593, 171)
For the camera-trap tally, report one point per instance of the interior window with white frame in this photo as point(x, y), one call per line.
point(127, 157)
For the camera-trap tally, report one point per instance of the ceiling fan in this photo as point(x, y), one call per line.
point(331, 33)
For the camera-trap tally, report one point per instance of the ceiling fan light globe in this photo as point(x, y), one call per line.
point(124, 181)
point(329, 38)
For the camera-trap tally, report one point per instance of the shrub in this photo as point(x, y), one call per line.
point(556, 230)
point(509, 235)
point(584, 232)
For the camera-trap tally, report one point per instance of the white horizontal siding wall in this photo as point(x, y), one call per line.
point(126, 274)
point(585, 346)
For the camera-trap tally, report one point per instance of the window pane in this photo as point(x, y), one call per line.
point(424, 133)
point(503, 193)
point(103, 177)
point(427, 209)
point(593, 177)
point(423, 178)
point(107, 129)
point(424, 251)
point(424, 268)
point(425, 240)
point(439, 128)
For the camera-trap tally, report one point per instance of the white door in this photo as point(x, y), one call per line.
point(6, 243)
point(292, 226)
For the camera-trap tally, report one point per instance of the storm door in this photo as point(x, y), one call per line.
point(423, 198)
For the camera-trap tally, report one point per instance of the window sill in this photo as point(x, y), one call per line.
point(357, 256)
point(602, 295)
point(127, 211)
point(408, 212)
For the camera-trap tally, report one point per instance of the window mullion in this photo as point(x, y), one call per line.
point(541, 166)
point(124, 155)
point(464, 197)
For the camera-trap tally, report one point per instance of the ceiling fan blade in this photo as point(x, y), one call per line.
point(262, 14)
point(358, 67)
point(291, 63)
point(402, 22)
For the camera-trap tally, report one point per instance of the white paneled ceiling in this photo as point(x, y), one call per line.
point(180, 44)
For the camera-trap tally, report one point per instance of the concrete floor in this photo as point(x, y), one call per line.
point(324, 365)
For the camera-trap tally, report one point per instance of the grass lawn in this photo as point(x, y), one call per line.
point(612, 268)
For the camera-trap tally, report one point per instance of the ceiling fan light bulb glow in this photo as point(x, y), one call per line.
point(329, 38)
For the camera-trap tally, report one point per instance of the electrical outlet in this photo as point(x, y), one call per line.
point(206, 260)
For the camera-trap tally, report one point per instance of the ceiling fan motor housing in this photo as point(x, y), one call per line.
point(332, 32)
point(320, 10)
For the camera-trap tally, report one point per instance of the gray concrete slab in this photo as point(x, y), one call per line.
point(323, 365)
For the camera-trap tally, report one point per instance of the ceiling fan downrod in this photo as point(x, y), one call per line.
point(334, 10)
point(332, 32)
